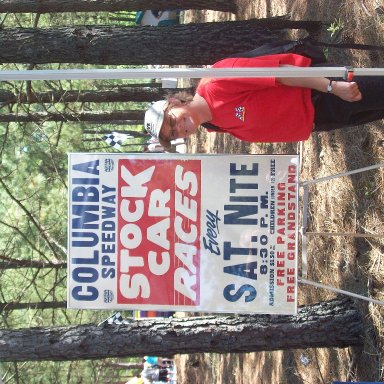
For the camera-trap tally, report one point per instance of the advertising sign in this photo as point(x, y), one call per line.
point(206, 233)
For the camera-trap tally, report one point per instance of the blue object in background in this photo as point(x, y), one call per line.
point(356, 382)
point(157, 18)
point(151, 360)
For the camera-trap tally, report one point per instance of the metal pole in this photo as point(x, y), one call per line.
point(138, 73)
point(318, 285)
point(353, 172)
point(331, 234)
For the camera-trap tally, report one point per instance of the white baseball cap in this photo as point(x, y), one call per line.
point(153, 120)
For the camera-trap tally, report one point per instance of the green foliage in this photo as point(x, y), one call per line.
point(61, 372)
point(33, 199)
point(336, 27)
point(27, 20)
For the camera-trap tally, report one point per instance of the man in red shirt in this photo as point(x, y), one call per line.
point(268, 109)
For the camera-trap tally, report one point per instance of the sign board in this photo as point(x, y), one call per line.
point(206, 233)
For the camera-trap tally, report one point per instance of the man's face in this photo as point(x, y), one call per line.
point(178, 122)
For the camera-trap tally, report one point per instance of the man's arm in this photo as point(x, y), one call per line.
point(348, 91)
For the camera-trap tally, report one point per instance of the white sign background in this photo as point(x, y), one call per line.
point(243, 261)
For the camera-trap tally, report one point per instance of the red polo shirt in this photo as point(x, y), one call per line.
point(260, 109)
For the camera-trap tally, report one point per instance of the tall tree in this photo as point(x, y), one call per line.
point(12, 263)
point(335, 323)
point(121, 94)
point(51, 6)
point(11, 306)
point(189, 44)
point(135, 134)
point(99, 131)
point(40, 117)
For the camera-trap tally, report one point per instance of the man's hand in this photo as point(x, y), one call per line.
point(346, 91)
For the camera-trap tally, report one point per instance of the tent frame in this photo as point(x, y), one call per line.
point(137, 73)
point(347, 73)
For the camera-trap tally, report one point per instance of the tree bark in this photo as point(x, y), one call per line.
point(93, 126)
point(124, 366)
point(96, 131)
point(133, 134)
point(190, 44)
point(11, 306)
point(335, 323)
point(40, 117)
point(144, 94)
point(19, 263)
point(52, 6)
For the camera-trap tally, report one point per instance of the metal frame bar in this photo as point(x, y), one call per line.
point(139, 73)
point(304, 233)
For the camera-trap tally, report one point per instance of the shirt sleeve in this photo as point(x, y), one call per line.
point(255, 83)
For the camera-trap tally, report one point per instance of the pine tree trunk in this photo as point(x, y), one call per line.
point(135, 134)
point(40, 117)
point(124, 366)
point(105, 131)
point(335, 323)
point(11, 306)
point(94, 126)
point(190, 44)
point(51, 6)
point(19, 263)
point(126, 94)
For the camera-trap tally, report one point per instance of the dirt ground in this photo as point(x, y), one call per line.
point(348, 205)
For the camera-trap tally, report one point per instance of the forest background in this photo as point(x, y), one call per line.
point(35, 138)
point(41, 122)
